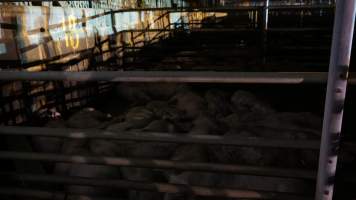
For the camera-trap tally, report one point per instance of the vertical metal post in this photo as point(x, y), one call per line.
point(335, 96)
point(264, 31)
point(265, 15)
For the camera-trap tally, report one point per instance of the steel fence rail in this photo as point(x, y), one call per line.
point(148, 186)
point(43, 194)
point(158, 137)
point(173, 76)
point(160, 164)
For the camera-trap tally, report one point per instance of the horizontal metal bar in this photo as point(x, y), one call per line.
point(154, 54)
point(38, 194)
point(216, 9)
point(161, 164)
point(235, 29)
point(172, 76)
point(300, 48)
point(297, 29)
point(229, 9)
point(157, 137)
point(188, 47)
point(7, 1)
point(297, 7)
point(185, 9)
point(148, 186)
point(42, 194)
point(200, 29)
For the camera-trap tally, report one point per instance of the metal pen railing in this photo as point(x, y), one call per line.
point(338, 77)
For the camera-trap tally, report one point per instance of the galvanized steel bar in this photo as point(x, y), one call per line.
point(157, 137)
point(148, 186)
point(170, 76)
point(335, 96)
point(160, 164)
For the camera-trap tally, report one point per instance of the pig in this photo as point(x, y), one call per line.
point(204, 125)
point(160, 91)
point(139, 94)
point(192, 153)
point(95, 172)
point(49, 144)
point(168, 113)
point(231, 181)
point(85, 118)
point(288, 126)
point(135, 118)
point(142, 175)
point(246, 102)
point(88, 118)
point(196, 153)
point(163, 110)
point(189, 102)
point(134, 94)
point(218, 103)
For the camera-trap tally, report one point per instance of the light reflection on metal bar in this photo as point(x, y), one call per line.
point(161, 164)
point(172, 76)
point(265, 15)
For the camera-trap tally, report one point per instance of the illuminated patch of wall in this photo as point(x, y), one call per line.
point(8, 35)
point(47, 32)
point(2, 48)
point(57, 32)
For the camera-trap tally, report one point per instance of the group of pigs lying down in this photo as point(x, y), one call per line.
point(178, 109)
